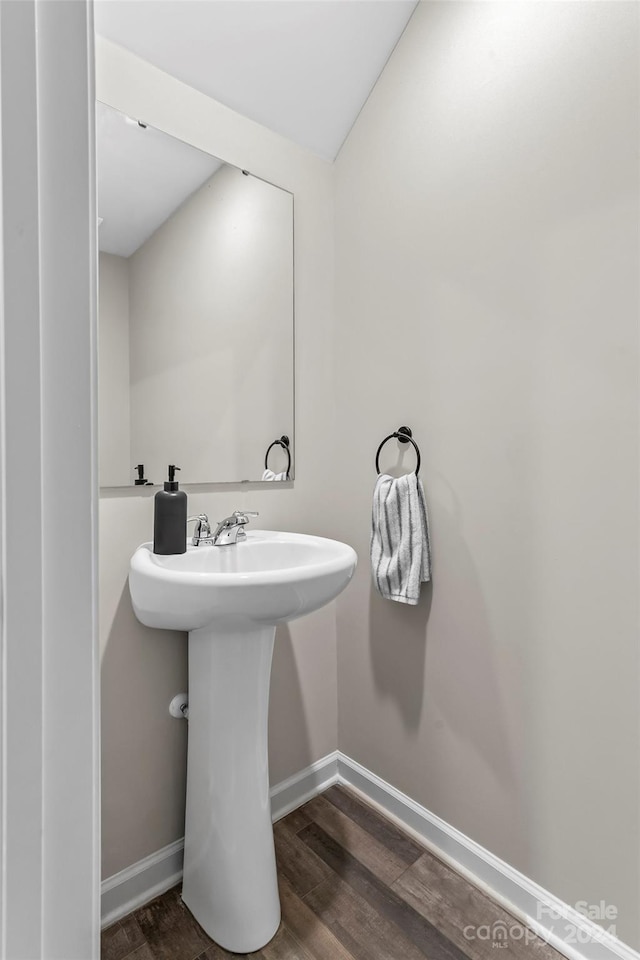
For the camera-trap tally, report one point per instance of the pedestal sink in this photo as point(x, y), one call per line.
point(230, 599)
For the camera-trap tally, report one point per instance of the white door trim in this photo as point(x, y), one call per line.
point(50, 762)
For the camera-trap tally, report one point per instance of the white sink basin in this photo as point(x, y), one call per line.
point(268, 578)
point(230, 599)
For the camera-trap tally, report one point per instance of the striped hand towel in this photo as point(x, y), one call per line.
point(400, 548)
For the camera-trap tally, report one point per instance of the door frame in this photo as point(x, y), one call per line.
point(49, 664)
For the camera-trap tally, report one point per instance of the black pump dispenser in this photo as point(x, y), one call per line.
point(141, 480)
point(170, 517)
point(172, 483)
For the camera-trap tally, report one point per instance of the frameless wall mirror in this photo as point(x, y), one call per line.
point(195, 313)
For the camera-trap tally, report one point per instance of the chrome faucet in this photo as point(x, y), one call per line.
point(201, 531)
point(231, 529)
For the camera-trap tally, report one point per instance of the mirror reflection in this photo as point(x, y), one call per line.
point(195, 313)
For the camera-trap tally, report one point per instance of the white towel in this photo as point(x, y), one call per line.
point(400, 548)
point(270, 475)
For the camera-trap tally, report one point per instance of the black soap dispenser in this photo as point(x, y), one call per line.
point(141, 480)
point(170, 517)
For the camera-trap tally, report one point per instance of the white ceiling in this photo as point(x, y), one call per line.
point(143, 176)
point(303, 68)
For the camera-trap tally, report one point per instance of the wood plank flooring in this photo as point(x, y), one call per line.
point(353, 887)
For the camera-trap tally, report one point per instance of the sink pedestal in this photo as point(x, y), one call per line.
point(230, 883)
point(229, 600)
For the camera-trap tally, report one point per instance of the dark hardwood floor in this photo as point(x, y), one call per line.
point(353, 887)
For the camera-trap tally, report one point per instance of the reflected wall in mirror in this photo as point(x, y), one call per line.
point(195, 312)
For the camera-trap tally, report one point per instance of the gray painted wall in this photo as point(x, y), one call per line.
point(487, 295)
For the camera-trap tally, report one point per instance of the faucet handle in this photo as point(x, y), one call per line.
point(202, 529)
point(201, 518)
point(243, 516)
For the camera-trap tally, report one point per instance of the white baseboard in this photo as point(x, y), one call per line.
point(292, 793)
point(142, 881)
point(564, 928)
point(148, 878)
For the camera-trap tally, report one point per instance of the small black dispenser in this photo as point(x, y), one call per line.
point(170, 517)
point(141, 480)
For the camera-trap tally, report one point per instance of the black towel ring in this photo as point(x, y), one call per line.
point(403, 434)
point(284, 443)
